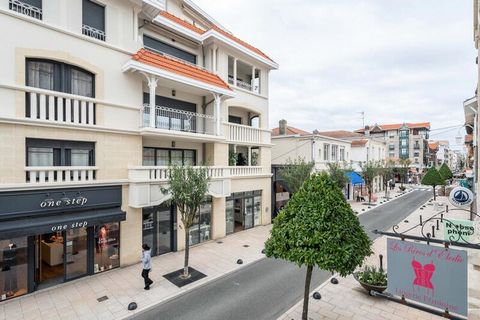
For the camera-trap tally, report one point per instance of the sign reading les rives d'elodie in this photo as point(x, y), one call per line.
point(428, 274)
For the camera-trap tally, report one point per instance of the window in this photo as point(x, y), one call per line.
point(235, 119)
point(31, 8)
point(162, 47)
point(93, 20)
point(165, 157)
point(57, 76)
point(342, 154)
point(201, 229)
point(403, 143)
point(326, 152)
point(391, 147)
point(334, 152)
point(41, 152)
point(403, 133)
point(107, 247)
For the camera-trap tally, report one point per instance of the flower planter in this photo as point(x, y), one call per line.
point(369, 287)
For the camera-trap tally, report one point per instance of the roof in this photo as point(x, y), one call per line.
point(359, 143)
point(433, 145)
point(216, 28)
point(340, 134)
point(396, 126)
point(290, 131)
point(176, 66)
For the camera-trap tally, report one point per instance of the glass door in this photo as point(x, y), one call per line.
point(248, 213)
point(164, 230)
point(229, 217)
point(75, 257)
point(257, 210)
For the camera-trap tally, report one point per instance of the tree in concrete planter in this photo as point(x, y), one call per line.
point(318, 228)
point(370, 169)
point(338, 175)
point(445, 172)
point(386, 172)
point(433, 178)
point(295, 172)
point(187, 187)
point(404, 166)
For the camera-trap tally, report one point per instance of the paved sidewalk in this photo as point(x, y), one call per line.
point(362, 207)
point(78, 299)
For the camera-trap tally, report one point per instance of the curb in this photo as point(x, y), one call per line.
point(388, 201)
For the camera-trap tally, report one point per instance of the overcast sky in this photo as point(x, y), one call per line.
point(396, 60)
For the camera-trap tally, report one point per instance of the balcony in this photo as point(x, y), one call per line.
point(145, 182)
point(242, 134)
point(93, 32)
point(26, 9)
point(168, 119)
point(58, 174)
point(417, 146)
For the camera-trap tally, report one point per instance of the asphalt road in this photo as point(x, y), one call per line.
point(268, 288)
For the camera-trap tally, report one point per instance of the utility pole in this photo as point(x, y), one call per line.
point(362, 115)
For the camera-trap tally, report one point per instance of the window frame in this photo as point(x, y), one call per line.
point(170, 155)
point(60, 153)
point(175, 52)
point(97, 5)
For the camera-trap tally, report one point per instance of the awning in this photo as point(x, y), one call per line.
point(355, 178)
point(59, 222)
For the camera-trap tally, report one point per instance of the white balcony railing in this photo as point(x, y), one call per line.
point(246, 134)
point(178, 120)
point(161, 173)
point(25, 8)
point(60, 174)
point(93, 32)
point(59, 107)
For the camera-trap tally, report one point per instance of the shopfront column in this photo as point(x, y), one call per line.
point(218, 218)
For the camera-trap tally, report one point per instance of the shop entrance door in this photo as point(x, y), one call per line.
point(158, 229)
point(60, 256)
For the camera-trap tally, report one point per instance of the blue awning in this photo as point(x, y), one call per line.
point(355, 178)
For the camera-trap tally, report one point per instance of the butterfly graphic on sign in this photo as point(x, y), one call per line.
point(423, 275)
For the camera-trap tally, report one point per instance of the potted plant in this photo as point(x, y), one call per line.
point(372, 278)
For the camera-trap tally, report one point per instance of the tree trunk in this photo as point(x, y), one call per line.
point(306, 294)
point(187, 252)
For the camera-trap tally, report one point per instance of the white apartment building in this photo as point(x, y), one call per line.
point(405, 140)
point(98, 99)
point(444, 153)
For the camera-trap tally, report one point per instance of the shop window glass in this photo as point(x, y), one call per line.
point(200, 231)
point(257, 210)
point(13, 268)
point(107, 247)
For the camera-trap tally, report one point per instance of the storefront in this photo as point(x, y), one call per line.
point(243, 211)
point(53, 236)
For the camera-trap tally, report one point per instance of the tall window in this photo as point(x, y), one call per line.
point(13, 271)
point(334, 152)
point(31, 8)
point(326, 152)
point(162, 47)
point(41, 152)
point(93, 20)
point(342, 154)
point(201, 229)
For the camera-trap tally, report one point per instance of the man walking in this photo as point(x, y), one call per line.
point(147, 265)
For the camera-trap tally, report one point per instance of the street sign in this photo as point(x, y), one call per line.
point(457, 230)
point(461, 197)
point(428, 274)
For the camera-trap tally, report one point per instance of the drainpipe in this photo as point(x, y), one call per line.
point(475, 156)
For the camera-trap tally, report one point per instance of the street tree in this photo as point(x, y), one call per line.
point(187, 188)
point(370, 169)
point(337, 174)
point(386, 172)
point(404, 164)
point(433, 178)
point(445, 172)
point(319, 228)
point(295, 172)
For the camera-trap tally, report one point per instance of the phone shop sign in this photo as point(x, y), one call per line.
point(428, 274)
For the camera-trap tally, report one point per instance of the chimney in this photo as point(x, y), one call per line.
point(367, 131)
point(282, 127)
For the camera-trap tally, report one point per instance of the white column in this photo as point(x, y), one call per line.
point(235, 71)
point(249, 156)
point(253, 78)
point(214, 59)
point(152, 85)
point(218, 101)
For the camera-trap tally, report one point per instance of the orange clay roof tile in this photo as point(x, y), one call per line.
point(172, 65)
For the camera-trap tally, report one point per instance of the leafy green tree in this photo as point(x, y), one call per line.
point(187, 187)
point(433, 178)
point(404, 164)
point(295, 172)
point(318, 228)
point(370, 170)
point(338, 175)
point(445, 172)
point(386, 172)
